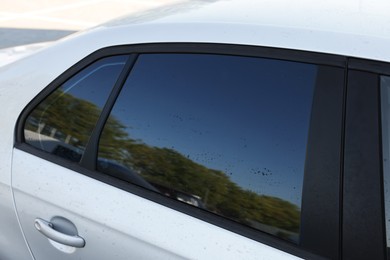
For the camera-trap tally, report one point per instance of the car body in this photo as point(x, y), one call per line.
point(311, 139)
point(12, 54)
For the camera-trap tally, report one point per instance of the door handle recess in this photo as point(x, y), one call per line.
point(63, 237)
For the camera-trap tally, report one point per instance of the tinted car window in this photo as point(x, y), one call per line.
point(62, 123)
point(223, 133)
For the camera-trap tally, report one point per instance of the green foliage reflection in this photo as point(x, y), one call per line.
point(165, 168)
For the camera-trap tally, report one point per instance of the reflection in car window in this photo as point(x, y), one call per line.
point(223, 133)
point(63, 122)
point(385, 104)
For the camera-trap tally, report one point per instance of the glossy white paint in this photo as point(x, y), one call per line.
point(12, 54)
point(41, 189)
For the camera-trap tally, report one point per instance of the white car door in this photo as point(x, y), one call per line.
point(169, 166)
point(114, 224)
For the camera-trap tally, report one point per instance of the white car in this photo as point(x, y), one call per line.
point(238, 129)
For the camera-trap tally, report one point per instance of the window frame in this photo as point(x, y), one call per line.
point(326, 127)
point(364, 228)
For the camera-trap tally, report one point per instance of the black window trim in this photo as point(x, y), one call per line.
point(305, 250)
point(321, 226)
point(88, 159)
point(363, 193)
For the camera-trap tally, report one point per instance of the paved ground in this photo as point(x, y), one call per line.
point(30, 21)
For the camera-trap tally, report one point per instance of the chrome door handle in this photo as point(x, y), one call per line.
point(69, 238)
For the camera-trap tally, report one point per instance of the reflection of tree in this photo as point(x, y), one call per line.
point(72, 117)
point(164, 167)
point(170, 169)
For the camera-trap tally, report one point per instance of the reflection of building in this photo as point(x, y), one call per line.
point(283, 233)
point(53, 145)
point(191, 199)
point(44, 129)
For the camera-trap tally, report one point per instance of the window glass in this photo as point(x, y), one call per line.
point(385, 104)
point(63, 122)
point(223, 133)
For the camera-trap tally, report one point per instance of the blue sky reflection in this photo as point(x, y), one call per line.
point(247, 117)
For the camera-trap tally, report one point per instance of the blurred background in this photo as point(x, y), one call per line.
point(32, 21)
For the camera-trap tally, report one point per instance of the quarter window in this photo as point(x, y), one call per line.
point(62, 123)
point(226, 134)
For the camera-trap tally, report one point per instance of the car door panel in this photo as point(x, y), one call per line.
point(91, 160)
point(115, 223)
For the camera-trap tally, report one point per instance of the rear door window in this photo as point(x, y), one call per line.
point(226, 134)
